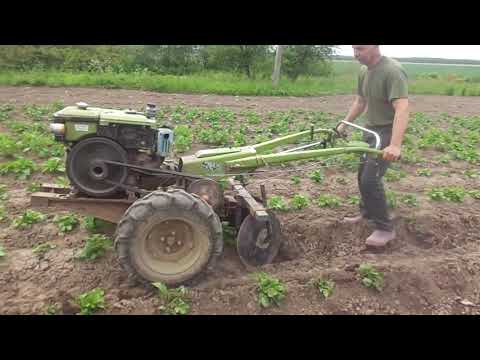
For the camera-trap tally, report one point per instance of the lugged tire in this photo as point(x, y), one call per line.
point(152, 211)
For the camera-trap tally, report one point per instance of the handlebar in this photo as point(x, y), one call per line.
point(377, 137)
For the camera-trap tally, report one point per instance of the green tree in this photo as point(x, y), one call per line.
point(170, 59)
point(307, 60)
point(238, 58)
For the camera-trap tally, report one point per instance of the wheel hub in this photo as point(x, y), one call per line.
point(98, 170)
point(170, 240)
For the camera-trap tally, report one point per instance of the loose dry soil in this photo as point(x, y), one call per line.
point(433, 267)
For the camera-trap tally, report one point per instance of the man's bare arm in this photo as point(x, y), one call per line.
point(400, 123)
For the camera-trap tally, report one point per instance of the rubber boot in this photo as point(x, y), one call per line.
point(380, 238)
point(353, 219)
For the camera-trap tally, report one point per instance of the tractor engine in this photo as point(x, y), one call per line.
point(94, 136)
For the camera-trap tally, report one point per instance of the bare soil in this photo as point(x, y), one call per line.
point(453, 105)
point(433, 267)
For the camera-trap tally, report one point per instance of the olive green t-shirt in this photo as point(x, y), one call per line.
point(382, 84)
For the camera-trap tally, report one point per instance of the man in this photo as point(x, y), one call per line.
point(383, 93)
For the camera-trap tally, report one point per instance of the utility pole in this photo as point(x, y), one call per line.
point(278, 64)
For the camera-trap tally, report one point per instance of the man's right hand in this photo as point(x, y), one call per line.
point(342, 129)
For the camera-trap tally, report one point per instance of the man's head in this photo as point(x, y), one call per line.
point(367, 54)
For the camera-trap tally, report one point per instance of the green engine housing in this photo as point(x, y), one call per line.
point(131, 129)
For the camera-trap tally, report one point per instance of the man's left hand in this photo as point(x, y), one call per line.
point(391, 153)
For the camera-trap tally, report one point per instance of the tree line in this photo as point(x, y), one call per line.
point(253, 61)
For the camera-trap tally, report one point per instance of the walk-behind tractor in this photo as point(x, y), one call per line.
point(169, 212)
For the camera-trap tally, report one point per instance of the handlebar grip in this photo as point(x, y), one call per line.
point(338, 133)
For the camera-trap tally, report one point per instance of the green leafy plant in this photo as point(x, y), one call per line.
point(66, 223)
point(2, 252)
point(3, 213)
point(41, 144)
point(391, 198)
point(325, 287)
point(193, 114)
point(409, 199)
point(92, 224)
point(472, 173)
point(239, 139)
point(19, 127)
point(317, 176)
point(21, 167)
point(8, 146)
point(270, 290)
point(411, 156)
point(91, 301)
point(279, 127)
point(28, 218)
point(183, 138)
point(261, 138)
point(353, 199)
point(392, 175)
point(326, 200)
point(34, 187)
point(57, 105)
point(223, 183)
point(300, 202)
point(229, 234)
point(213, 136)
point(453, 193)
point(466, 154)
point(52, 309)
point(5, 110)
point(434, 138)
point(96, 246)
point(277, 203)
point(370, 277)
point(296, 180)
point(3, 193)
point(252, 117)
point(444, 159)
point(474, 194)
point(36, 112)
point(424, 172)
point(436, 194)
point(347, 161)
point(62, 181)
point(53, 165)
point(174, 300)
point(43, 248)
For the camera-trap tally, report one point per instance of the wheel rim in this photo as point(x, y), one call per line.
point(171, 247)
point(89, 173)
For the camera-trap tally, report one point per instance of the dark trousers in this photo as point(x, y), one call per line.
point(373, 204)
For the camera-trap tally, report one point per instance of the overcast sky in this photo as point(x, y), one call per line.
point(468, 52)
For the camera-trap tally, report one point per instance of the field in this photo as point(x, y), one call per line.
point(438, 79)
point(424, 79)
point(49, 261)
